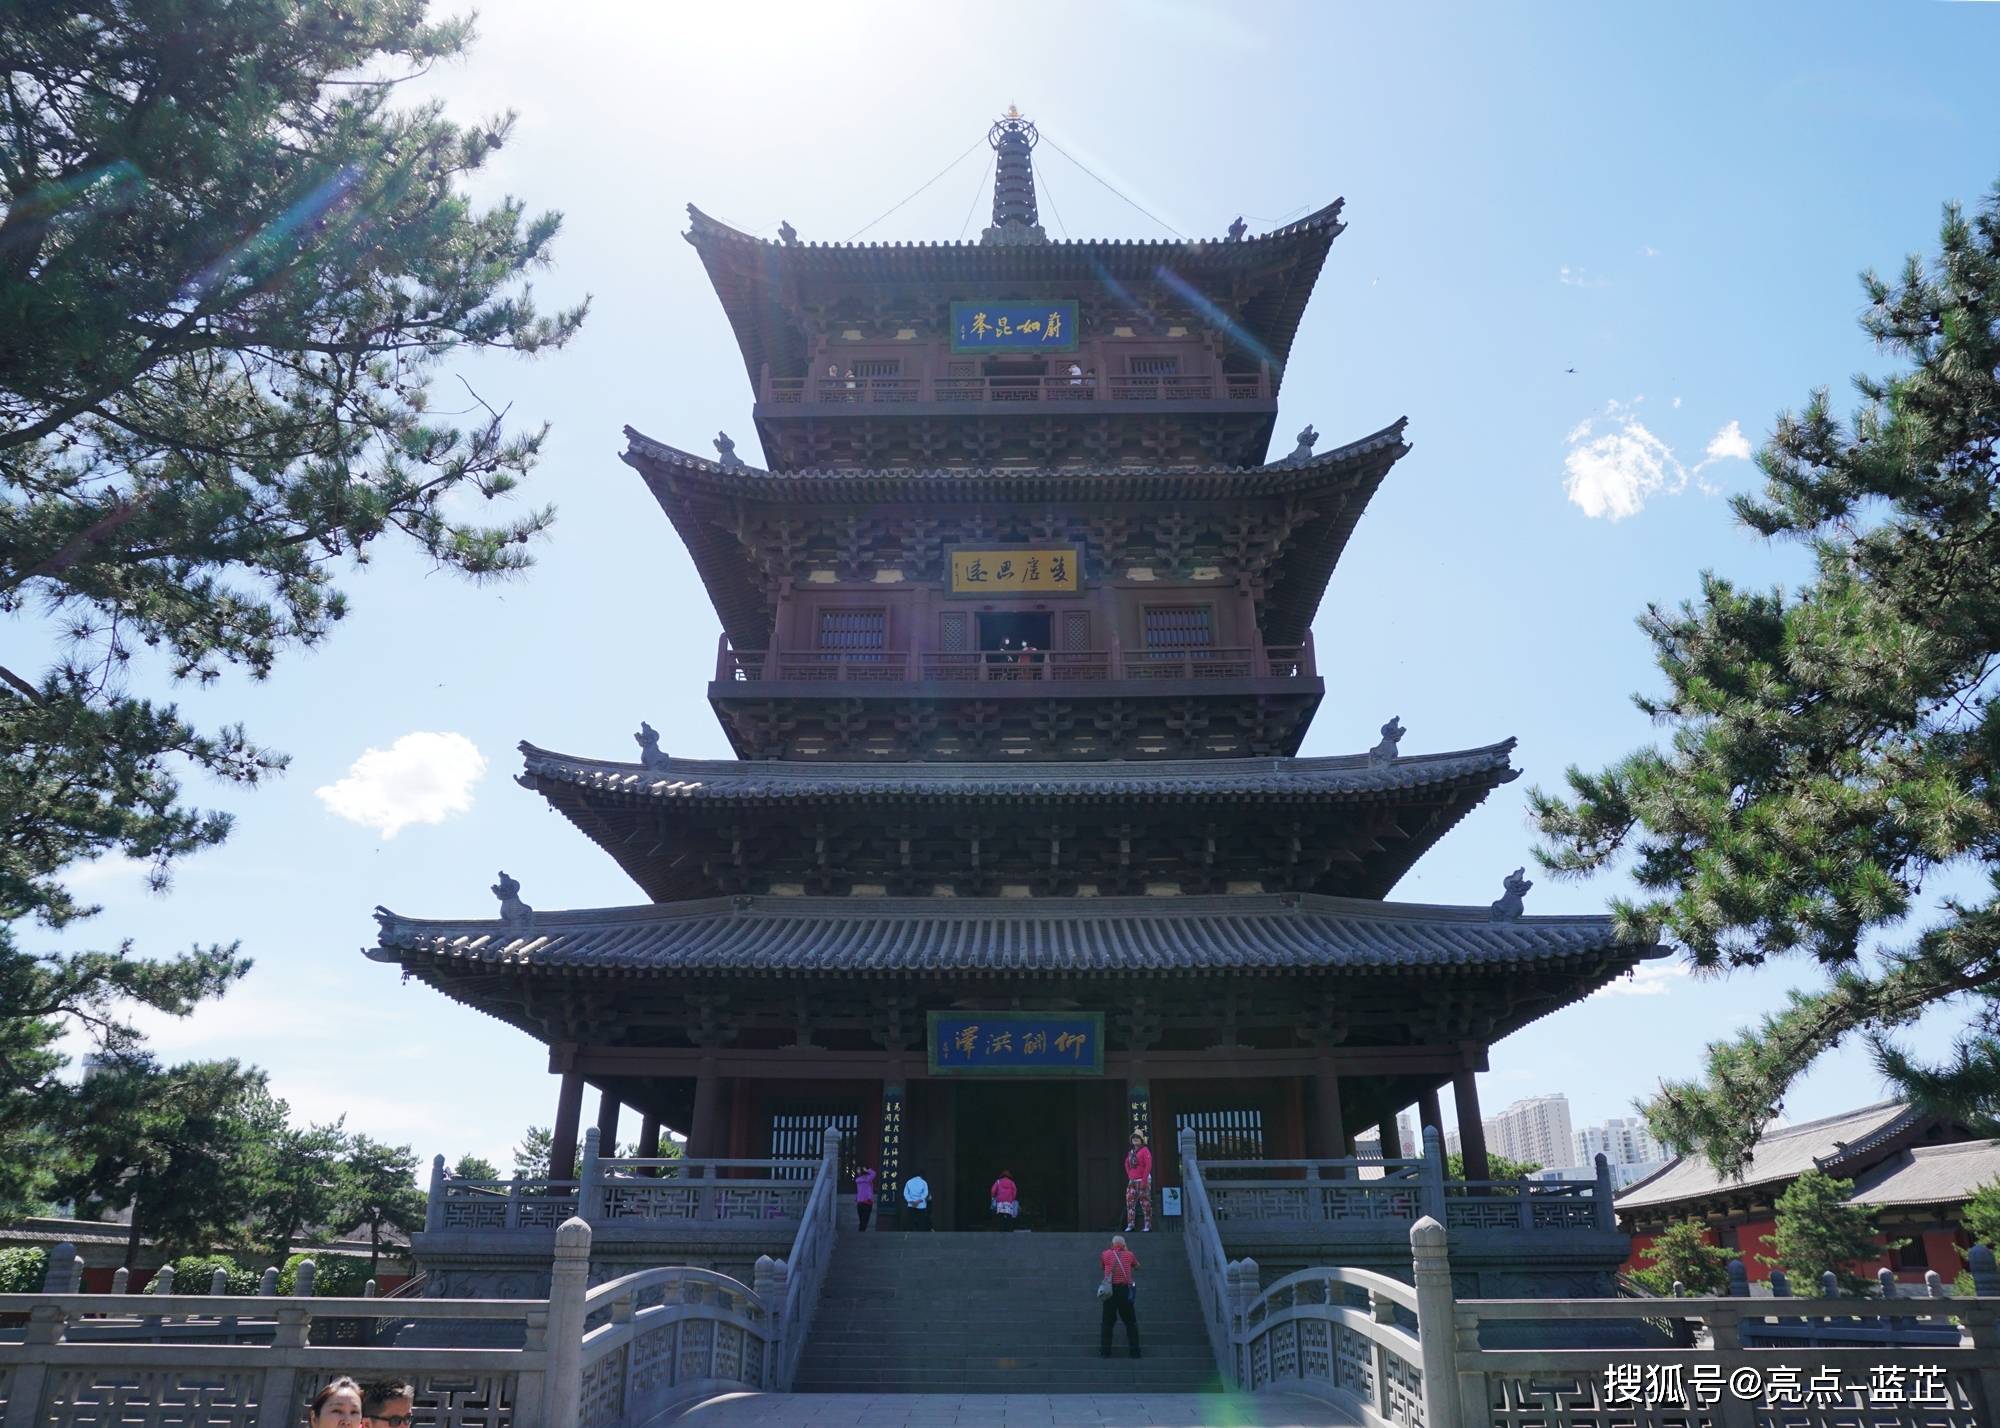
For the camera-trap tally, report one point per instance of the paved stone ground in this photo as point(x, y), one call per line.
point(1014, 1410)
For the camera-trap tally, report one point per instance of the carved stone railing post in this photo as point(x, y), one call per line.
point(163, 1283)
point(569, 1281)
point(276, 1407)
point(218, 1282)
point(588, 1178)
point(1725, 1339)
point(1431, 1193)
point(1436, 1313)
point(1985, 1276)
point(302, 1281)
point(24, 1396)
point(1607, 1216)
point(1739, 1279)
point(434, 1204)
point(511, 1216)
point(65, 1272)
point(267, 1282)
point(120, 1277)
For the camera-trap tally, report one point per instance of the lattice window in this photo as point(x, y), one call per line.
point(961, 369)
point(1224, 1135)
point(879, 367)
point(797, 1135)
point(1153, 366)
point(1179, 627)
point(863, 630)
point(1075, 632)
point(954, 632)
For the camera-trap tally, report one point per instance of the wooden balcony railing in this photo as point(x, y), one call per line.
point(992, 667)
point(889, 391)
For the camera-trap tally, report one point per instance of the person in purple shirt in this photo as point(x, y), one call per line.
point(864, 1194)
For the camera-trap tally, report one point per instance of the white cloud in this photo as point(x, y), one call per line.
point(1729, 444)
point(1677, 404)
point(1575, 277)
point(1653, 979)
point(1647, 250)
point(421, 778)
point(1613, 475)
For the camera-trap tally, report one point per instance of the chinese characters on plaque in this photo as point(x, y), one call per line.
point(1017, 1043)
point(1014, 572)
point(1014, 326)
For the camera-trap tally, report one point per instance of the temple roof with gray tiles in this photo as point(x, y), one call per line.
point(1260, 780)
point(758, 279)
point(1144, 936)
point(1337, 467)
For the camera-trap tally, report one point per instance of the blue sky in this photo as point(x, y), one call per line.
point(1672, 201)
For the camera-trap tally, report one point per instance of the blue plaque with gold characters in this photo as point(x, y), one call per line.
point(1015, 325)
point(1011, 1043)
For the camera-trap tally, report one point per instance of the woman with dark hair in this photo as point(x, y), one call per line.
point(338, 1405)
point(1138, 1182)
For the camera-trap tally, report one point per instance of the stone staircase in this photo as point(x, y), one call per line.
point(999, 1313)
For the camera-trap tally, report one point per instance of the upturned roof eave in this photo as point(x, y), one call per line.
point(723, 780)
point(749, 301)
point(1345, 478)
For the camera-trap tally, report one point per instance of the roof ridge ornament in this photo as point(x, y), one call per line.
point(1510, 906)
point(650, 754)
point(1015, 219)
point(1304, 450)
point(1238, 229)
point(787, 234)
point(513, 912)
point(725, 453)
point(1392, 735)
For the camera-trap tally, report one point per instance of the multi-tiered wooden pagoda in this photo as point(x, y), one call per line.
point(1017, 658)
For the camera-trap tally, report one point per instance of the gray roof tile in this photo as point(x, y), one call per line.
point(1112, 936)
point(1931, 1175)
point(1781, 1155)
point(1348, 776)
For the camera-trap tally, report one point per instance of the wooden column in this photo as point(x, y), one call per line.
point(1429, 1113)
point(649, 1137)
point(1327, 1137)
point(1392, 1144)
point(562, 1140)
point(607, 1123)
point(706, 1133)
point(1471, 1132)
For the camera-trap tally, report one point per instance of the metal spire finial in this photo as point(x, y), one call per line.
point(1015, 220)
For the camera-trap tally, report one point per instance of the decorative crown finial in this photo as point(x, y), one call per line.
point(1015, 220)
point(1509, 906)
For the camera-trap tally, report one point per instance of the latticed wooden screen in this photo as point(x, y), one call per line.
point(1075, 634)
point(797, 1135)
point(1179, 627)
point(1224, 1135)
point(862, 630)
point(879, 367)
point(954, 632)
point(1154, 366)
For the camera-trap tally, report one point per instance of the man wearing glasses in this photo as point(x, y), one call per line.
point(387, 1405)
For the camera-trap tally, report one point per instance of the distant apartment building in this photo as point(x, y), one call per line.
point(1622, 1140)
point(1536, 1130)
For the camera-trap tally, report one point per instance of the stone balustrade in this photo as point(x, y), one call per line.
point(1416, 1356)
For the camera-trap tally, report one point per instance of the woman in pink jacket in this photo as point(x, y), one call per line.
point(1138, 1181)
